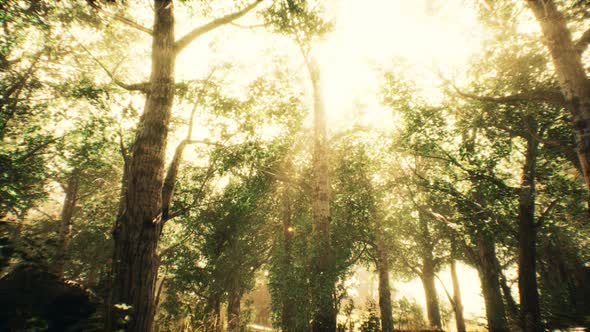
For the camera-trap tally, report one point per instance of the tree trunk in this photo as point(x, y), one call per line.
point(432, 307)
point(511, 306)
point(138, 228)
point(322, 281)
point(287, 307)
point(490, 284)
point(67, 212)
point(530, 313)
point(427, 276)
point(570, 74)
point(384, 289)
point(457, 302)
point(233, 307)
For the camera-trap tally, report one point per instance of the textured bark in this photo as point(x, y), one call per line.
point(571, 75)
point(457, 301)
point(139, 222)
point(490, 284)
point(138, 228)
point(233, 307)
point(384, 288)
point(432, 306)
point(323, 283)
point(67, 213)
point(530, 313)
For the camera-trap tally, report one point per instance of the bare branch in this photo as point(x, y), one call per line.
point(546, 213)
point(125, 20)
point(583, 42)
point(172, 172)
point(450, 298)
point(551, 96)
point(142, 87)
point(254, 26)
point(183, 42)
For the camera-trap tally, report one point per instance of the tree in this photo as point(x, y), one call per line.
point(298, 20)
point(567, 59)
point(138, 227)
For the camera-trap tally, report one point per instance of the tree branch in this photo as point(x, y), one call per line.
point(183, 42)
point(551, 96)
point(125, 21)
point(583, 42)
point(142, 87)
point(254, 26)
point(546, 213)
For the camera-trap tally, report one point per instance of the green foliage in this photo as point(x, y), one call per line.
point(370, 321)
point(408, 314)
point(301, 19)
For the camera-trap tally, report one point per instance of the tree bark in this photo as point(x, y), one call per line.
point(140, 220)
point(427, 276)
point(570, 74)
point(323, 283)
point(490, 284)
point(530, 313)
point(384, 288)
point(457, 301)
point(511, 306)
point(233, 307)
point(67, 213)
point(138, 228)
point(432, 306)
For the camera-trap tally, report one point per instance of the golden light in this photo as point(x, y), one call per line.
point(429, 36)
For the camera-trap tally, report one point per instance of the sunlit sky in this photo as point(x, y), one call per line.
point(427, 35)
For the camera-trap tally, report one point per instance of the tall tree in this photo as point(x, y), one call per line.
point(571, 74)
point(301, 22)
point(138, 228)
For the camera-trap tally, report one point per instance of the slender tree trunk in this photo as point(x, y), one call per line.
point(428, 276)
point(432, 306)
point(71, 191)
point(323, 281)
point(570, 72)
point(530, 313)
point(287, 307)
point(511, 306)
point(217, 325)
point(490, 284)
point(233, 307)
point(384, 289)
point(138, 228)
point(457, 301)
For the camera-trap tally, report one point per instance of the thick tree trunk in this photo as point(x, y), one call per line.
point(138, 228)
point(457, 301)
point(490, 284)
point(67, 213)
point(530, 313)
point(570, 74)
point(384, 289)
point(233, 307)
point(287, 307)
point(432, 306)
point(323, 281)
